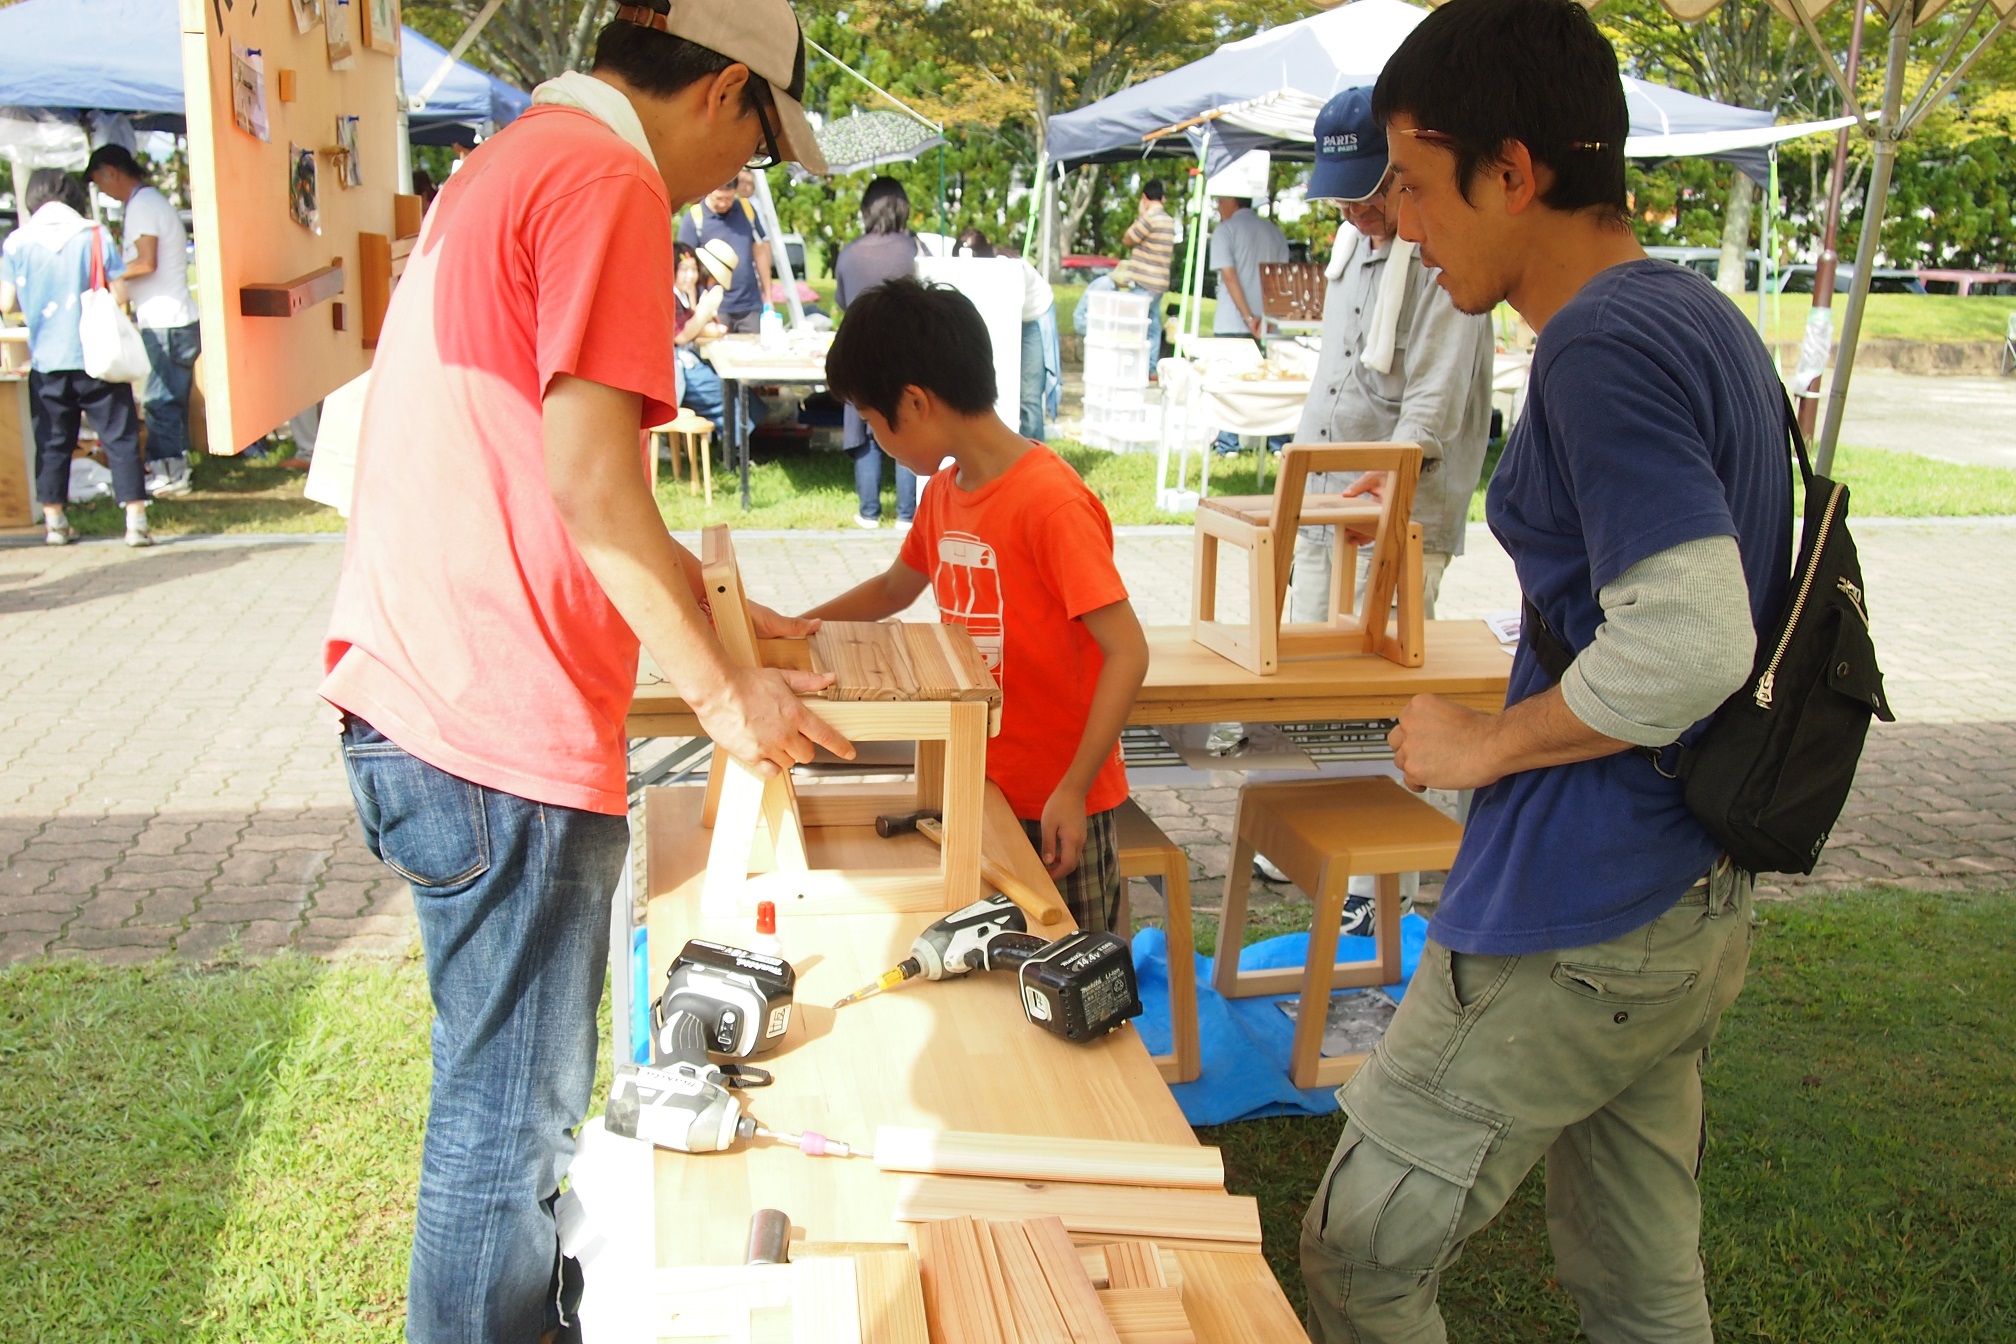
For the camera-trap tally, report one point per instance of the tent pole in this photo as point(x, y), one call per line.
point(1193, 315)
point(1889, 130)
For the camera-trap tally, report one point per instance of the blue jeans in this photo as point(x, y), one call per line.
point(700, 389)
point(868, 481)
point(513, 898)
point(1228, 442)
point(1032, 381)
point(171, 372)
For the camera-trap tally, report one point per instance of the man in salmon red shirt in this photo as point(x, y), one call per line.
point(505, 559)
point(1016, 548)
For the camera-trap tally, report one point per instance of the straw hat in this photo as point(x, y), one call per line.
point(717, 257)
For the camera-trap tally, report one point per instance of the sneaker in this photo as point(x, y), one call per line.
point(1358, 918)
point(60, 534)
point(902, 525)
point(168, 478)
point(139, 535)
point(1266, 871)
point(867, 524)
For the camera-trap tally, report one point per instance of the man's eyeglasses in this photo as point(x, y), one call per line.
point(1448, 141)
point(769, 156)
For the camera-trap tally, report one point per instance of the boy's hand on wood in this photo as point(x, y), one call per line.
point(771, 624)
point(1063, 827)
point(756, 717)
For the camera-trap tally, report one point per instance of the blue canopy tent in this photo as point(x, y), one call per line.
point(126, 56)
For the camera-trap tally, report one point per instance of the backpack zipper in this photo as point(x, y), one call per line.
point(1854, 596)
point(1765, 682)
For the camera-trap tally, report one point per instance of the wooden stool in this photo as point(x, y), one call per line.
point(1146, 852)
point(691, 435)
point(1320, 833)
point(1388, 619)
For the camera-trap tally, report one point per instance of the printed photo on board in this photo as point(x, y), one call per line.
point(349, 170)
point(336, 15)
point(381, 25)
point(248, 92)
point(302, 189)
point(307, 13)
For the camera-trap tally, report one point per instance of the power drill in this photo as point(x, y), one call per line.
point(1080, 986)
point(717, 999)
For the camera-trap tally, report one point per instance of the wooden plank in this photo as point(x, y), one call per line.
point(1112, 1210)
point(997, 1284)
point(1032, 1158)
point(1233, 1299)
point(1148, 1315)
point(288, 297)
point(406, 215)
point(965, 802)
point(958, 1304)
point(1073, 1293)
point(1038, 1319)
point(889, 1295)
point(374, 285)
point(1134, 1264)
point(1167, 1267)
point(900, 661)
point(825, 1306)
point(723, 580)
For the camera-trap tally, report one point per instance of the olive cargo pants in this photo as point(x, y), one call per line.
point(1591, 1058)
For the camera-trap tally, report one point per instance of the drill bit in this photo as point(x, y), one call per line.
point(810, 1143)
point(895, 975)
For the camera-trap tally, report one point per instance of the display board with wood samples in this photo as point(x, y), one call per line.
point(300, 229)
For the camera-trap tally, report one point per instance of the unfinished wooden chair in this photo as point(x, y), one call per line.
point(689, 438)
point(1321, 833)
point(894, 682)
point(1146, 852)
point(1264, 527)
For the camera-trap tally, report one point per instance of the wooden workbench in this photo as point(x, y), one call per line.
point(1188, 683)
point(953, 1055)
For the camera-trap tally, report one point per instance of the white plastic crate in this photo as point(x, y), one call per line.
point(1117, 330)
point(1121, 395)
point(1117, 303)
point(1117, 366)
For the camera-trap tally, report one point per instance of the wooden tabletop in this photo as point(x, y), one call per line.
point(745, 358)
point(953, 1055)
point(1188, 683)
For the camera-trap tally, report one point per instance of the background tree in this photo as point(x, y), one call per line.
point(526, 41)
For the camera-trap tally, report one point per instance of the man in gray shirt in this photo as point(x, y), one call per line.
point(1400, 364)
point(1239, 244)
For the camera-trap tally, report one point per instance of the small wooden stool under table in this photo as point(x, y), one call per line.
point(1146, 852)
point(1321, 833)
point(690, 435)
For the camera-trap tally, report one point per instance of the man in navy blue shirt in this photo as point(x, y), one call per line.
point(723, 214)
point(1591, 933)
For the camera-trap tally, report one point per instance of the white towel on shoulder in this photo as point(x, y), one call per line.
point(1382, 330)
point(604, 102)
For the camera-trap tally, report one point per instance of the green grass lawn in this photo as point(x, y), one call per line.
point(1893, 317)
point(234, 495)
point(229, 1153)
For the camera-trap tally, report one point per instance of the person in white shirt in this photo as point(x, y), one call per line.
point(156, 249)
point(1039, 331)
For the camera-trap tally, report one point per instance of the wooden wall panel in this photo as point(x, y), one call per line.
point(261, 370)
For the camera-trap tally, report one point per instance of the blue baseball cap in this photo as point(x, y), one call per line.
point(1350, 149)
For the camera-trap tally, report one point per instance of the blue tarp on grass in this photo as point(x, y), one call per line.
point(1245, 1041)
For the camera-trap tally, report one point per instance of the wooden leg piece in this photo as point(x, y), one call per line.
point(965, 786)
point(717, 765)
point(1186, 1061)
point(930, 776)
point(1232, 914)
point(741, 811)
point(1317, 972)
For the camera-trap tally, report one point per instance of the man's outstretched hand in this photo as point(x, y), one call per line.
point(1438, 744)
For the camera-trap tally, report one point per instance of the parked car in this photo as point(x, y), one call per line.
point(1799, 280)
point(1708, 261)
point(1969, 283)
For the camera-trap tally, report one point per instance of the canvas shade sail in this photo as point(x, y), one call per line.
point(863, 140)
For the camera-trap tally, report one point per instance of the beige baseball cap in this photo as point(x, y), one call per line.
point(763, 35)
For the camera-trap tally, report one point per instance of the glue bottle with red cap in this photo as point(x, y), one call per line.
point(766, 940)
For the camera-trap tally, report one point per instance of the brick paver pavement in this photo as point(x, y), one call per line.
point(168, 782)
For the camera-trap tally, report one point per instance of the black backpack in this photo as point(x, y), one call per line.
point(1770, 775)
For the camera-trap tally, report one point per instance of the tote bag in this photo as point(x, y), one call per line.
point(112, 347)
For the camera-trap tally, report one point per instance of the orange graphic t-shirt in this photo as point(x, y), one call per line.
point(1017, 562)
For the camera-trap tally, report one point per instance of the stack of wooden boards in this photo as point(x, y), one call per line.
point(1025, 1283)
point(1098, 1189)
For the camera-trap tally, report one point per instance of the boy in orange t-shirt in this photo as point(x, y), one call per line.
point(1020, 552)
